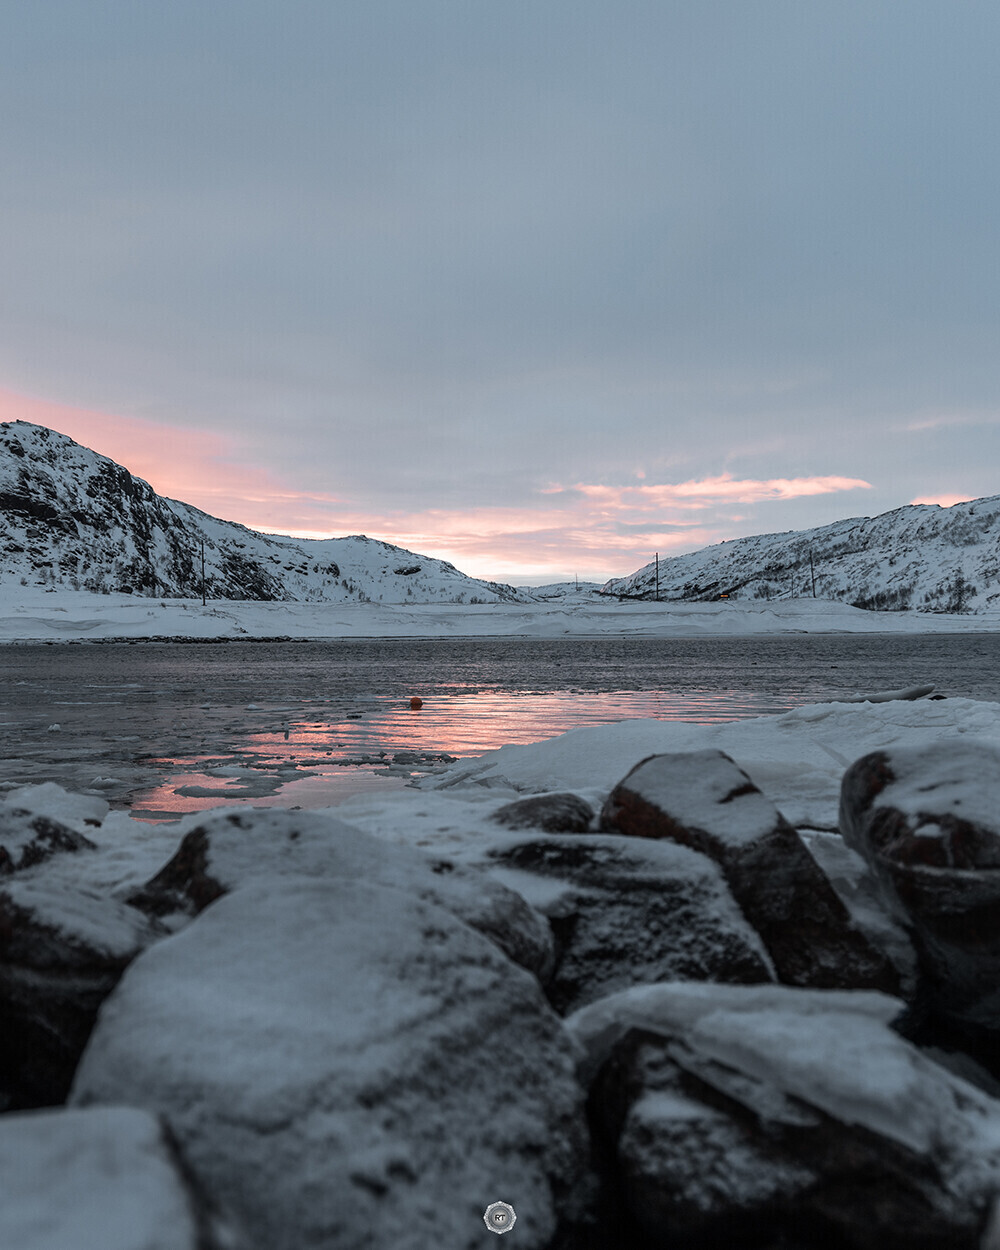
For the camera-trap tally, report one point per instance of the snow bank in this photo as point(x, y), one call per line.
point(33, 615)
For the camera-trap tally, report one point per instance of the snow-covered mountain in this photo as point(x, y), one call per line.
point(567, 592)
point(72, 518)
point(920, 556)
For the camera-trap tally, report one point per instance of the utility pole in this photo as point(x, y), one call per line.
point(203, 572)
point(657, 577)
point(812, 572)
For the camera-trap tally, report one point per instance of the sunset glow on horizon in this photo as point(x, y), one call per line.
point(589, 530)
point(943, 501)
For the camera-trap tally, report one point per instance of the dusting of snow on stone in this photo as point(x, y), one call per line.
point(334, 1055)
point(828, 1049)
point(966, 779)
point(703, 790)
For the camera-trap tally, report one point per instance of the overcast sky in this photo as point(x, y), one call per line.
point(538, 286)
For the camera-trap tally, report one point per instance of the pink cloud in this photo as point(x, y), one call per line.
point(944, 501)
point(705, 492)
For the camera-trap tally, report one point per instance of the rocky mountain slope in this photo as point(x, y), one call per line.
point(920, 556)
point(75, 519)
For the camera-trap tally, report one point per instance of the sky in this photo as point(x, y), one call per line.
point(541, 287)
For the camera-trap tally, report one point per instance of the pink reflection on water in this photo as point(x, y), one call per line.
point(307, 760)
point(472, 724)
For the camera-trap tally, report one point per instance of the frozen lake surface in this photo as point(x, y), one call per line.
point(165, 728)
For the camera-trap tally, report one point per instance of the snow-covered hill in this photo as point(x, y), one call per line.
point(71, 518)
point(566, 592)
point(920, 556)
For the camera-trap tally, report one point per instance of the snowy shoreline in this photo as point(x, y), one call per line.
point(29, 615)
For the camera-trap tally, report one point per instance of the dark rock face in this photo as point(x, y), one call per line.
point(703, 800)
point(62, 951)
point(625, 913)
point(552, 813)
point(228, 851)
point(734, 1124)
point(927, 822)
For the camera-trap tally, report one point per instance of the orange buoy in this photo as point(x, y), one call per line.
point(416, 702)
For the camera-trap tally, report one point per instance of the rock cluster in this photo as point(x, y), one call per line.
point(661, 1024)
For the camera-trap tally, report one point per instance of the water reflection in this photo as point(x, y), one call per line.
point(140, 724)
point(310, 757)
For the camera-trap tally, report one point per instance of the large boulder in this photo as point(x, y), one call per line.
point(263, 844)
point(63, 948)
point(625, 912)
point(703, 800)
point(346, 1064)
point(105, 1178)
point(927, 820)
point(739, 1115)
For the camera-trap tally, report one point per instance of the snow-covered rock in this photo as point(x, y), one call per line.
point(27, 837)
point(703, 800)
point(77, 811)
point(346, 1065)
point(63, 943)
point(63, 948)
point(738, 1112)
point(268, 845)
point(104, 1178)
point(626, 911)
point(72, 518)
point(926, 820)
point(919, 556)
point(551, 813)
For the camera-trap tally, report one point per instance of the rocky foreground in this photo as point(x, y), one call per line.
point(296, 1035)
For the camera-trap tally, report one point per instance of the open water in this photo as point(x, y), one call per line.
point(165, 728)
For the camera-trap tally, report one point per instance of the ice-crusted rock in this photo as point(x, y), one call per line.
point(266, 844)
point(626, 912)
point(740, 1113)
point(62, 950)
point(345, 1064)
point(551, 813)
point(927, 821)
point(855, 884)
point(104, 1178)
point(703, 800)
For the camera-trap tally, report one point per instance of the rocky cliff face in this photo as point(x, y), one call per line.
point(72, 518)
point(921, 556)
